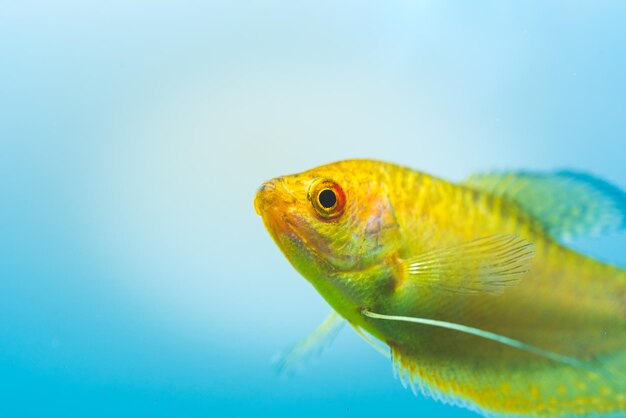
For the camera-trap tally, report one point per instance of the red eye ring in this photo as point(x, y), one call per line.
point(327, 198)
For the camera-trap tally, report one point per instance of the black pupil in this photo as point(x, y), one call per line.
point(327, 198)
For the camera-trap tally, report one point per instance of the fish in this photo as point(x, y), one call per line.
point(470, 288)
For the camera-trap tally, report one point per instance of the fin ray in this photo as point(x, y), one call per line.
point(488, 264)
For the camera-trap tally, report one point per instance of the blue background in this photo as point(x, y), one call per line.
point(135, 277)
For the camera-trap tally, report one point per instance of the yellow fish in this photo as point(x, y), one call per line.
point(467, 285)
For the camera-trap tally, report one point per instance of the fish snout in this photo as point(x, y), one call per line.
point(265, 194)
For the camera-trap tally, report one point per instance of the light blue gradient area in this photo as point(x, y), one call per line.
point(135, 277)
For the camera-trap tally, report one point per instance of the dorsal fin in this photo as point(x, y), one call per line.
point(567, 203)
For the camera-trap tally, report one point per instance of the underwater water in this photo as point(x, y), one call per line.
point(136, 278)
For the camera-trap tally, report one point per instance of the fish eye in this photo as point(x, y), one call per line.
point(327, 198)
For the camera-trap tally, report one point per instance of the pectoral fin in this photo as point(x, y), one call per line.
point(568, 204)
point(488, 264)
point(298, 355)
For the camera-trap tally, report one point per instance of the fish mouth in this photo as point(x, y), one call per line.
point(271, 203)
point(261, 198)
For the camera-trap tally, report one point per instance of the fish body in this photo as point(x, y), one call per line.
point(486, 254)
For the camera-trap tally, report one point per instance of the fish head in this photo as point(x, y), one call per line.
point(331, 220)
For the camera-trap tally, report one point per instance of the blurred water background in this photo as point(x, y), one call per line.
point(135, 277)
